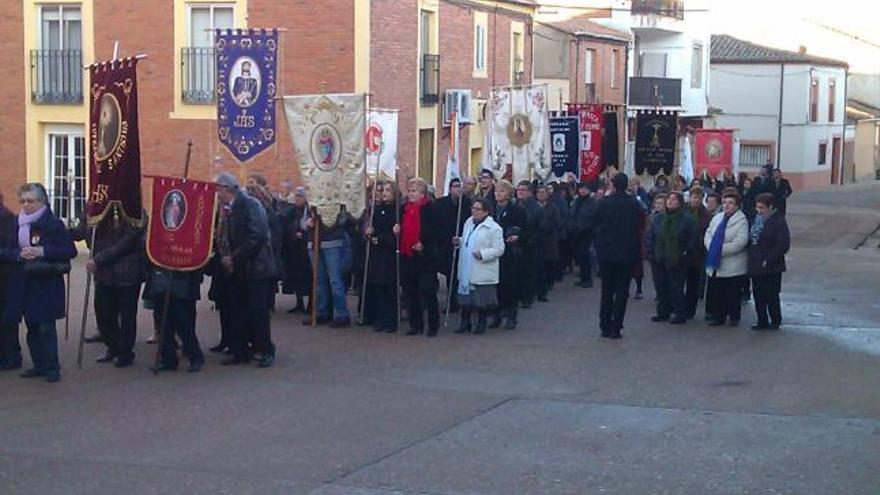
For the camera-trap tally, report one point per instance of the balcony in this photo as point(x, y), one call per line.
point(654, 92)
point(56, 77)
point(429, 78)
point(658, 15)
point(198, 75)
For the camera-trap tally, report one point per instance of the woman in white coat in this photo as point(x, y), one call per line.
point(480, 246)
point(727, 261)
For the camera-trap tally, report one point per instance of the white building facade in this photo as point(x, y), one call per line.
point(787, 108)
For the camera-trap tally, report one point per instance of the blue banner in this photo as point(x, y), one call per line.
point(246, 88)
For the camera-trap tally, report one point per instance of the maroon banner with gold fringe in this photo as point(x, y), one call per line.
point(181, 230)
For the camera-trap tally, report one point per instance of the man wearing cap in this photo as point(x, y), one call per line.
point(248, 260)
point(618, 217)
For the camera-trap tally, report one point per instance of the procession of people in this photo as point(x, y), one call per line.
point(497, 246)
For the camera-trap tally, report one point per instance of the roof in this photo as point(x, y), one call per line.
point(727, 49)
point(583, 26)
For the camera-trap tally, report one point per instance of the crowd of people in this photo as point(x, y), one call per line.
point(500, 248)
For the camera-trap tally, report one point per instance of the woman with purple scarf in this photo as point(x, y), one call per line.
point(40, 249)
point(726, 240)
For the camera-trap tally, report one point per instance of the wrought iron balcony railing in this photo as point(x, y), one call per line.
point(430, 79)
point(198, 75)
point(667, 8)
point(56, 77)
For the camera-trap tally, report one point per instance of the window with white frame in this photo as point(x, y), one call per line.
point(590, 75)
point(697, 66)
point(66, 172)
point(198, 56)
point(754, 155)
point(615, 63)
point(479, 46)
point(57, 62)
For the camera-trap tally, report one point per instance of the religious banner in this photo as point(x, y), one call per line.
point(181, 230)
point(328, 134)
point(246, 87)
point(380, 140)
point(115, 158)
point(518, 133)
point(714, 151)
point(610, 142)
point(656, 134)
point(453, 170)
point(564, 150)
point(592, 120)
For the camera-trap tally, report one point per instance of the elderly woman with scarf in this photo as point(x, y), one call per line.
point(726, 242)
point(669, 241)
point(41, 250)
point(770, 240)
point(481, 246)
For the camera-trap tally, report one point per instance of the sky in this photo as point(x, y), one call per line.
point(789, 24)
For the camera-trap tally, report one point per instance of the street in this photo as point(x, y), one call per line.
point(548, 408)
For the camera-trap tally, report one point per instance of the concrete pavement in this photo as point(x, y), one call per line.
point(547, 408)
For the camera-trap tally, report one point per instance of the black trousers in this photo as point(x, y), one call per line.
point(695, 287)
point(546, 270)
point(616, 278)
point(420, 295)
point(250, 307)
point(766, 289)
point(724, 297)
point(669, 281)
point(584, 260)
point(380, 306)
point(10, 349)
point(181, 322)
point(530, 274)
point(116, 312)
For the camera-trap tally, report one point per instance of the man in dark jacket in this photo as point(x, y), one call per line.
point(119, 267)
point(548, 239)
point(583, 218)
point(487, 186)
point(618, 219)
point(530, 241)
point(451, 220)
point(770, 240)
point(10, 350)
point(419, 250)
point(670, 239)
point(251, 265)
point(781, 190)
point(182, 292)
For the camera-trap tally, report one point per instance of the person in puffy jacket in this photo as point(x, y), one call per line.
point(726, 242)
point(481, 246)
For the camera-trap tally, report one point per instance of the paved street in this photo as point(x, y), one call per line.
point(549, 408)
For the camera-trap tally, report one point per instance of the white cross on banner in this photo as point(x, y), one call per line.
point(381, 142)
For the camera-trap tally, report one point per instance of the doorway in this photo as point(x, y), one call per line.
point(835, 161)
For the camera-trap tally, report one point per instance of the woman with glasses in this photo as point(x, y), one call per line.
point(40, 248)
point(481, 245)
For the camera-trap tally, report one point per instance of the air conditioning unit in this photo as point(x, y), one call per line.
point(458, 101)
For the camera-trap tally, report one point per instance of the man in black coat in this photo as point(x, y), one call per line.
point(530, 242)
point(119, 267)
point(486, 188)
point(583, 218)
point(10, 350)
point(781, 190)
point(451, 220)
point(618, 219)
point(251, 265)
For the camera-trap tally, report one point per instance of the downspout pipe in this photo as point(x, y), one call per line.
point(779, 118)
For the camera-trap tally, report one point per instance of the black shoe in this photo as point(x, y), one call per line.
point(733, 323)
point(219, 348)
point(495, 322)
point(481, 325)
point(31, 373)
point(53, 377)
point(414, 331)
point(380, 329)
point(195, 366)
point(266, 360)
point(775, 326)
point(760, 326)
point(341, 323)
point(163, 366)
point(124, 362)
point(543, 299)
point(678, 321)
point(10, 364)
point(94, 339)
point(659, 318)
point(615, 336)
point(390, 330)
point(106, 358)
point(715, 323)
point(638, 295)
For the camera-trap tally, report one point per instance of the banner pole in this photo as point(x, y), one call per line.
point(316, 265)
point(70, 189)
point(397, 206)
point(85, 313)
point(455, 250)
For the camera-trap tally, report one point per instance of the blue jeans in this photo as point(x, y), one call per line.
point(331, 284)
point(42, 340)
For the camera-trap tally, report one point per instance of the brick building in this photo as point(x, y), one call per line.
point(405, 53)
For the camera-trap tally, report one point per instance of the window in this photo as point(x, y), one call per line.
point(425, 31)
point(517, 65)
point(480, 48)
point(589, 66)
point(697, 66)
point(426, 155)
point(754, 155)
point(832, 95)
point(615, 63)
point(823, 152)
point(66, 167)
point(198, 57)
point(814, 99)
point(56, 66)
point(652, 64)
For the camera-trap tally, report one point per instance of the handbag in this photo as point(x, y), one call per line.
point(45, 268)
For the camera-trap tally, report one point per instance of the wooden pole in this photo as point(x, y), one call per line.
point(316, 264)
point(85, 313)
point(455, 250)
point(397, 205)
point(70, 189)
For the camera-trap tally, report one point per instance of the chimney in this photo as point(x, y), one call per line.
point(802, 49)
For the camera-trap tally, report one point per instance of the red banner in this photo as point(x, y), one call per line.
point(115, 158)
point(592, 120)
point(181, 230)
point(714, 152)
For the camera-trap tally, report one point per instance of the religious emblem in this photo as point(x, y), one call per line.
point(109, 126)
point(325, 147)
point(246, 82)
point(173, 210)
point(519, 130)
point(373, 140)
point(714, 149)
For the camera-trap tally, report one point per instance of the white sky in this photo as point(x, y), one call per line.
point(788, 24)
